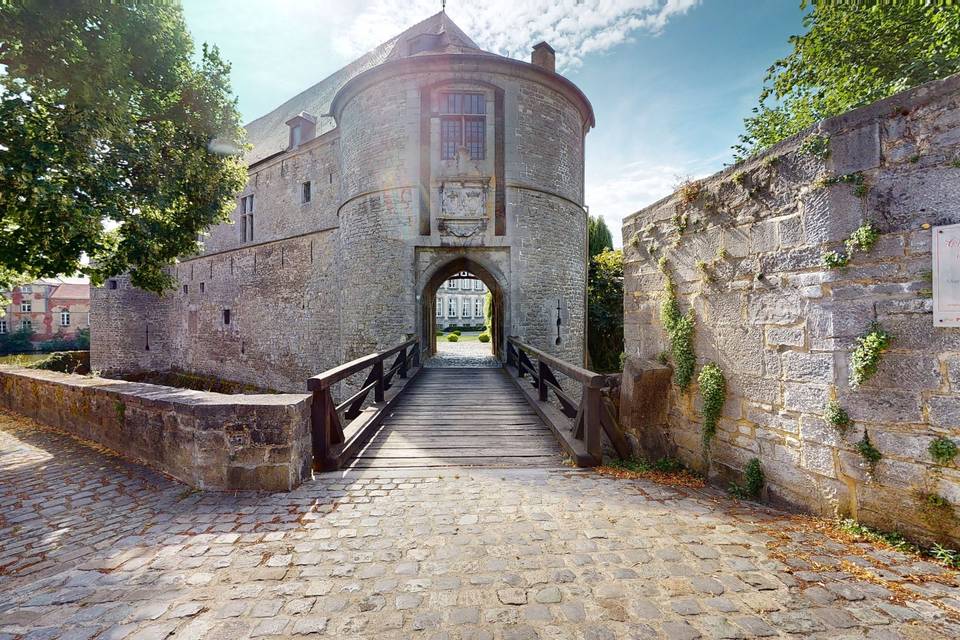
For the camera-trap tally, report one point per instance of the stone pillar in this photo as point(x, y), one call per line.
point(644, 402)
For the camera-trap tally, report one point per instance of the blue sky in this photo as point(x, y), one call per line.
point(670, 80)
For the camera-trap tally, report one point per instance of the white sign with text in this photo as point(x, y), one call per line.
point(946, 276)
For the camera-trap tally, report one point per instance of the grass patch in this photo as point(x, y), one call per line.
point(668, 471)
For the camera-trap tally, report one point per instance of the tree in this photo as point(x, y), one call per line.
point(598, 235)
point(852, 55)
point(605, 310)
point(116, 142)
point(18, 341)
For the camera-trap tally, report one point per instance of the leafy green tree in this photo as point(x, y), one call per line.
point(117, 142)
point(599, 237)
point(605, 310)
point(852, 55)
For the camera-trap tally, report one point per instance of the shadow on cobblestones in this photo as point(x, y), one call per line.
point(94, 546)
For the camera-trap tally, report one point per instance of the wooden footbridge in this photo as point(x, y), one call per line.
point(402, 416)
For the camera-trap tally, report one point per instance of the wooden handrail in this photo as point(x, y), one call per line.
point(338, 430)
point(580, 433)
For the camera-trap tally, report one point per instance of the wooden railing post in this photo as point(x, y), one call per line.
point(592, 426)
point(403, 363)
point(543, 373)
point(378, 378)
point(320, 406)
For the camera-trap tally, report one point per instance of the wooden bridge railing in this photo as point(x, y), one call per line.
point(586, 419)
point(339, 430)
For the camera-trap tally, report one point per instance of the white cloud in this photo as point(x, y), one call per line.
point(575, 28)
point(619, 193)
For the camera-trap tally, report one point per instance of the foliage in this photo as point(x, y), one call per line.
point(943, 450)
point(483, 337)
point(866, 356)
point(870, 454)
point(452, 337)
point(739, 178)
point(689, 191)
point(851, 55)
point(863, 239)
point(837, 416)
point(107, 114)
point(856, 179)
point(16, 341)
point(65, 362)
point(605, 310)
point(834, 260)
point(599, 238)
point(488, 311)
point(815, 145)
point(713, 390)
point(753, 486)
point(83, 339)
point(680, 329)
point(896, 541)
point(664, 471)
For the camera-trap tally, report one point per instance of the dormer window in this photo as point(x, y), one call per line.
point(424, 42)
point(303, 128)
point(463, 124)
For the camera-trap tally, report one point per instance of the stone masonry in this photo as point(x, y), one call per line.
point(355, 267)
point(207, 440)
point(782, 326)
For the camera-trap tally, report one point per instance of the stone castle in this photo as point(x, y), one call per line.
point(425, 157)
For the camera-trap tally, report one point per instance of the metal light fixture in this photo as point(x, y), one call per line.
point(558, 322)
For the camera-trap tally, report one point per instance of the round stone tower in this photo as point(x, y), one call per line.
point(455, 159)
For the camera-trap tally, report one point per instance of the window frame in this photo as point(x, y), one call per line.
point(3, 327)
point(461, 108)
point(306, 192)
point(26, 306)
point(26, 323)
point(452, 307)
point(64, 318)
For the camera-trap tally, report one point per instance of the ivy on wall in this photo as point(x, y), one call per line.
point(865, 358)
point(680, 329)
point(713, 390)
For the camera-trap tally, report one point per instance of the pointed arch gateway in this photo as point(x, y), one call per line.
point(440, 272)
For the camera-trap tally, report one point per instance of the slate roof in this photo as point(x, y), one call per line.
point(269, 135)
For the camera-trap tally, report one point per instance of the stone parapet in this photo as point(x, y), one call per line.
point(208, 440)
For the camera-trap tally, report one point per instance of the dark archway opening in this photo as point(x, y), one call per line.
point(463, 272)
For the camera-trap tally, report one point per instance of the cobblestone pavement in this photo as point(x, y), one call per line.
point(93, 546)
point(462, 354)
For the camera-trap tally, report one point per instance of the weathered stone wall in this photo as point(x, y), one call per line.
point(207, 440)
point(782, 326)
point(283, 299)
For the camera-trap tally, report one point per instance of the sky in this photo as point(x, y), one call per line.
point(670, 80)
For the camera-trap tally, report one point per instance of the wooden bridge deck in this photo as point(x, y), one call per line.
point(460, 418)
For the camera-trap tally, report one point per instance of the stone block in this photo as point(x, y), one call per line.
point(887, 407)
point(785, 336)
point(818, 459)
point(790, 231)
point(808, 367)
point(944, 411)
point(803, 397)
point(783, 307)
point(857, 150)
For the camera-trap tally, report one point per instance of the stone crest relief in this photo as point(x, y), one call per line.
point(463, 207)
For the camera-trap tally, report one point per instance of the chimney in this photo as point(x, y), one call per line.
point(544, 56)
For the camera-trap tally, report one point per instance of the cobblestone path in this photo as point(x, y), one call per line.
point(93, 546)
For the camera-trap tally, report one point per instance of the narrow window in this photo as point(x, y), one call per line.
point(111, 284)
point(26, 306)
point(226, 316)
point(246, 218)
point(295, 136)
point(306, 192)
point(202, 287)
point(65, 319)
point(465, 308)
point(3, 326)
point(478, 307)
point(439, 307)
point(186, 289)
point(451, 307)
point(463, 124)
point(250, 225)
point(26, 324)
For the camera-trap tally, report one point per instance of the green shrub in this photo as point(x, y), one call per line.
point(866, 356)
point(943, 450)
point(863, 238)
point(453, 337)
point(870, 454)
point(483, 337)
point(65, 362)
point(753, 486)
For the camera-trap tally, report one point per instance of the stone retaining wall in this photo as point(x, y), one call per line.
point(782, 326)
point(207, 440)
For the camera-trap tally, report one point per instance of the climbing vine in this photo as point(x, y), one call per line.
point(837, 416)
point(866, 356)
point(679, 328)
point(943, 450)
point(713, 390)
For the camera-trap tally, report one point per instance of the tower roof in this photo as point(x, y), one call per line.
point(436, 35)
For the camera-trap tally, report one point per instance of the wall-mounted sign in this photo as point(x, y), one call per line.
point(946, 276)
